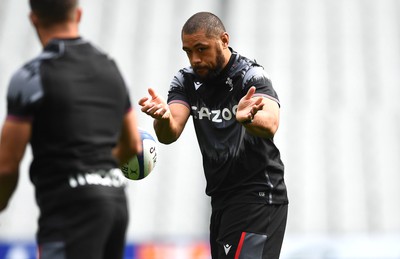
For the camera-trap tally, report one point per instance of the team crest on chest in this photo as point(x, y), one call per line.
point(230, 83)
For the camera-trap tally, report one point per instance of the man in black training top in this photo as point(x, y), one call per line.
point(72, 105)
point(235, 112)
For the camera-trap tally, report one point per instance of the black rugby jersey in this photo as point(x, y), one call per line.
point(238, 166)
point(76, 98)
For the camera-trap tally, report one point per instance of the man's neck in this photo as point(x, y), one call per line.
point(64, 31)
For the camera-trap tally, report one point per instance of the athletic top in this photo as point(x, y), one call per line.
point(76, 99)
point(239, 167)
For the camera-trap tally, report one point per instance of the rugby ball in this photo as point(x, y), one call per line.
point(141, 165)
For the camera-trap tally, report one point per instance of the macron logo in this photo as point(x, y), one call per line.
point(197, 85)
point(227, 247)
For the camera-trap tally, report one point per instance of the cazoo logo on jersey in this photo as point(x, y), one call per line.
point(214, 115)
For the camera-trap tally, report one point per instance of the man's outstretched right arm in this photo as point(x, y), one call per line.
point(169, 120)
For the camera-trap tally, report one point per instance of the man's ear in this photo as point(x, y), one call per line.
point(34, 19)
point(225, 39)
point(78, 14)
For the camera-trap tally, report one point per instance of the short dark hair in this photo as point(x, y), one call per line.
point(206, 21)
point(52, 11)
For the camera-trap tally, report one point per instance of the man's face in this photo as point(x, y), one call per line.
point(205, 54)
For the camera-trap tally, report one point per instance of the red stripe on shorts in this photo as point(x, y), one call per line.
point(240, 245)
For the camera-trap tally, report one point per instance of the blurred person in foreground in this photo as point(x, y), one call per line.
point(72, 105)
point(235, 111)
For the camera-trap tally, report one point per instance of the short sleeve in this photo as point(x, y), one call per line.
point(177, 93)
point(24, 93)
point(256, 76)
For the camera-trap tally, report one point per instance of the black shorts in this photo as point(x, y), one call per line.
point(85, 229)
point(248, 231)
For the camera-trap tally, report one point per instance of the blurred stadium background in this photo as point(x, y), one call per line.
point(336, 67)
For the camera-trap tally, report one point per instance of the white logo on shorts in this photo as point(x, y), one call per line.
point(227, 247)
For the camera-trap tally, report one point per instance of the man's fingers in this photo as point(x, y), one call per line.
point(152, 93)
point(157, 109)
point(142, 101)
point(259, 101)
point(250, 92)
point(256, 107)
